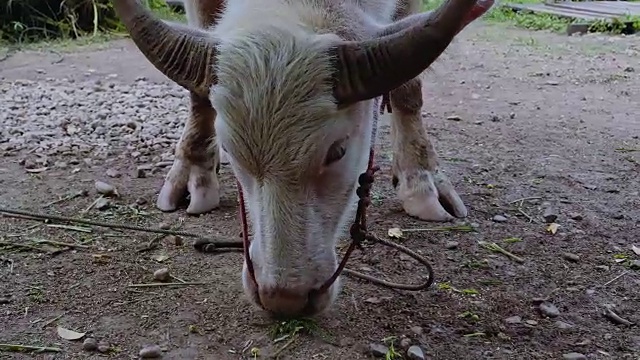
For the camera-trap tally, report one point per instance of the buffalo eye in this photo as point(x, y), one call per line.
point(336, 151)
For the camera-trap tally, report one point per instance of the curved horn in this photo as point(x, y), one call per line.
point(185, 55)
point(370, 68)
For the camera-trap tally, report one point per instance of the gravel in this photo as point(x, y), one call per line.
point(91, 121)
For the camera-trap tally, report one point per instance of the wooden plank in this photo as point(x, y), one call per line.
point(595, 7)
point(567, 13)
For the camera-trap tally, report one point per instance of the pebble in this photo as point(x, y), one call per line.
point(102, 204)
point(549, 309)
point(550, 215)
point(104, 189)
point(454, 118)
point(563, 325)
point(635, 265)
point(103, 347)
point(150, 352)
point(451, 245)
point(570, 257)
point(176, 240)
point(90, 344)
point(513, 320)
point(161, 274)
point(139, 173)
point(4, 300)
point(378, 350)
point(415, 353)
point(164, 226)
point(499, 219)
point(405, 343)
point(141, 201)
point(418, 330)
point(113, 173)
point(574, 356)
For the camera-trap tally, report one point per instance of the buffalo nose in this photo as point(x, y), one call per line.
point(284, 301)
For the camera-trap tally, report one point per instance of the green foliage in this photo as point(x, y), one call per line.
point(26, 21)
point(540, 21)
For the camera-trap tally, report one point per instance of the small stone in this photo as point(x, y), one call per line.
point(113, 173)
point(141, 201)
point(378, 350)
point(575, 216)
point(140, 173)
point(549, 309)
point(454, 118)
point(563, 325)
point(571, 257)
point(415, 353)
point(550, 215)
point(531, 322)
point(635, 265)
point(499, 219)
point(164, 226)
point(161, 274)
point(90, 344)
point(451, 245)
point(602, 267)
point(4, 300)
point(513, 320)
point(590, 291)
point(150, 352)
point(405, 343)
point(104, 188)
point(495, 118)
point(102, 204)
point(629, 69)
point(418, 330)
point(103, 347)
point(574, 356)
point(552, 82)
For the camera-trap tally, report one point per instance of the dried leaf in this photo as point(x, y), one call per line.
point(395, 233)
point(635, 249)
point(69, 334)
point(553, 228)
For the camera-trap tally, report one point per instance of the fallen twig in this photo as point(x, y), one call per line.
point(53, 320)
point(627, 150)
point(615, 278)
point(525, 199)
point(467, 228)
point(531, 219)
point(72, 228)
point(167, 284)
point(291, 340)
point(91, 205)
point(609, 314)
point(58, 243)
point(496, 248)
point(18, 347)
point(23, 246)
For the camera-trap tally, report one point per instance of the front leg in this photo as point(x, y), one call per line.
point(196, 163)
point(424, 190)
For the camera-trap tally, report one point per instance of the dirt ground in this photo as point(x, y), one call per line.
point(542, 117)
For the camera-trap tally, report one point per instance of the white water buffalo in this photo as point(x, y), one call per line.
point(287, 89)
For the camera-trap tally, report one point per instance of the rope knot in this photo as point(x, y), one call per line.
point(358, 235)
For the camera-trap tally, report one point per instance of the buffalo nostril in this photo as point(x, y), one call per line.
point(282, 301)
